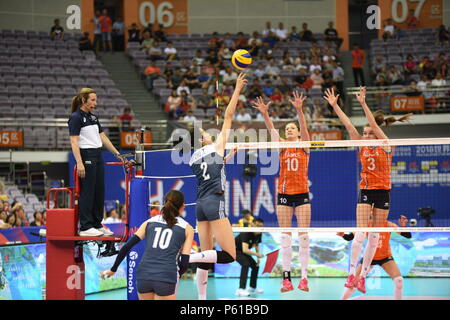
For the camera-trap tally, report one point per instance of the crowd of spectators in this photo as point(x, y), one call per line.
point(275, 71)
point(419, 75)
point(13, 215)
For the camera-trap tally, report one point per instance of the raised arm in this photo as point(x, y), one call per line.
point(361, 97)
point(229, 113)
point(264, 109)
point(298, 105)
point(332, 99)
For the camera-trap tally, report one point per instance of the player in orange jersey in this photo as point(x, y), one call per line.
point(375, 185)
point(383, 258)
point(293, 189)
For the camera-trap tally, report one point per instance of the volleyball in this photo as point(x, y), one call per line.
point(241, 59)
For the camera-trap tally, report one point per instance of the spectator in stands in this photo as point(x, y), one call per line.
point(191, 79)
point(281, 32)
point(134, 34)
point(272, 70)
point(268, 88)
point(427, 68)
point(97, 32)
point(125, 119)
point(84, 44)
point(268, 29)
point(37, 219)
point(331, 35)
point(152, 72)
point(284, 85)
point(283, 113)
point(155, 52)
point(381, 80)
point(189, 116)
point(302, 61)
point(224, 53)
point(315, 51)
point(441, 64)
point(183, 87)
point(277, 97)
point(228, 42)
point(198, 57)
point(260, 70)
point(410, 66)
point(255, 44)
point(357, 65)
point(160, 34)
point(338, 78)
point(12, 220)
point(170, 51)
point(273, 115)
point(118, 34)
point(443, 34)
point(306, 34)
point(190, 100)
point(378, 64)
point(388, 30)
point(112, 216)
point(317, 79)
point(412, 21)
point(241, 42)
point(413, 90)
point(57, 32)
point(315, 65)
point(328, 58)
point(212, 58)
point(294, 35)
point(266, 52)
point(243, 115)
point(146, 42)
point(394, 76)
point(271, 40)
point(229, 77)
point(302, 80)
point(149, 29)
point(172, 104)
point(215, 41)
point(20, 214)
point(106, 29)
point(205, 100)
point(155, 208)
point(439, 84)
point(287, 62)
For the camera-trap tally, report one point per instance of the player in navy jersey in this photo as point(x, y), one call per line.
point(162, 263)
point(207, 163)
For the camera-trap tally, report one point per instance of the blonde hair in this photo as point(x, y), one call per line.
point(77, 101)
point(381, 120)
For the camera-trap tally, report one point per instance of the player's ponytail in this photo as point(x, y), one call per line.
point(173, 201)
point(381, 120)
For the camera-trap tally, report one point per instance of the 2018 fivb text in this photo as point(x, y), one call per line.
point(227, 310)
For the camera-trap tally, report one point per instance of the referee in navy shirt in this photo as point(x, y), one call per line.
point(87, 139)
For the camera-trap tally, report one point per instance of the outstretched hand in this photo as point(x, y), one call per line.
point(361, 97)
point(107, 274)
point(261, 106)
point(298, 100)
point(241, 81)
point(330, 97)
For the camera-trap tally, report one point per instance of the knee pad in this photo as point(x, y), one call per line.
point(373, 239)
point(304, 241)
point(286, 241)
point(205, 266)
point(224, 257)
point(359, 237)
point(398, 282)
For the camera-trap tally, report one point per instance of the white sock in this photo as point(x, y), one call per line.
point(304, 254)
point(398, 288)
point(286, 251)
point(207, 256)
point(369, 252)
point(348, 293)
point(202, 281)
point(355, 251)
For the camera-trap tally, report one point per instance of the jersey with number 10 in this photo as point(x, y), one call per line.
point(293, 171)
point(208, 167)
point(375, 168)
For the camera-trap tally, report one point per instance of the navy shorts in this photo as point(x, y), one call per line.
point(211, 208)
point(160, 288)
point(380, 199)
point(379, 262)
point(293, 200)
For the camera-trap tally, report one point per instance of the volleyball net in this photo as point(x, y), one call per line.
point(323, 186)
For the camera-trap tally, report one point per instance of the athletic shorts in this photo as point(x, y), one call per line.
point(379, 198)
point(211, 207)
point(160, 288)
point(106, 36)
point(379, 262)
point(293, 200)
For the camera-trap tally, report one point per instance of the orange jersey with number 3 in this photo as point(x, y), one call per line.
point(293, 171)
point(375, 168)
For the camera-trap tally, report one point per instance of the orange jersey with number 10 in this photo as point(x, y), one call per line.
point(293, 171)
point(375, 168)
